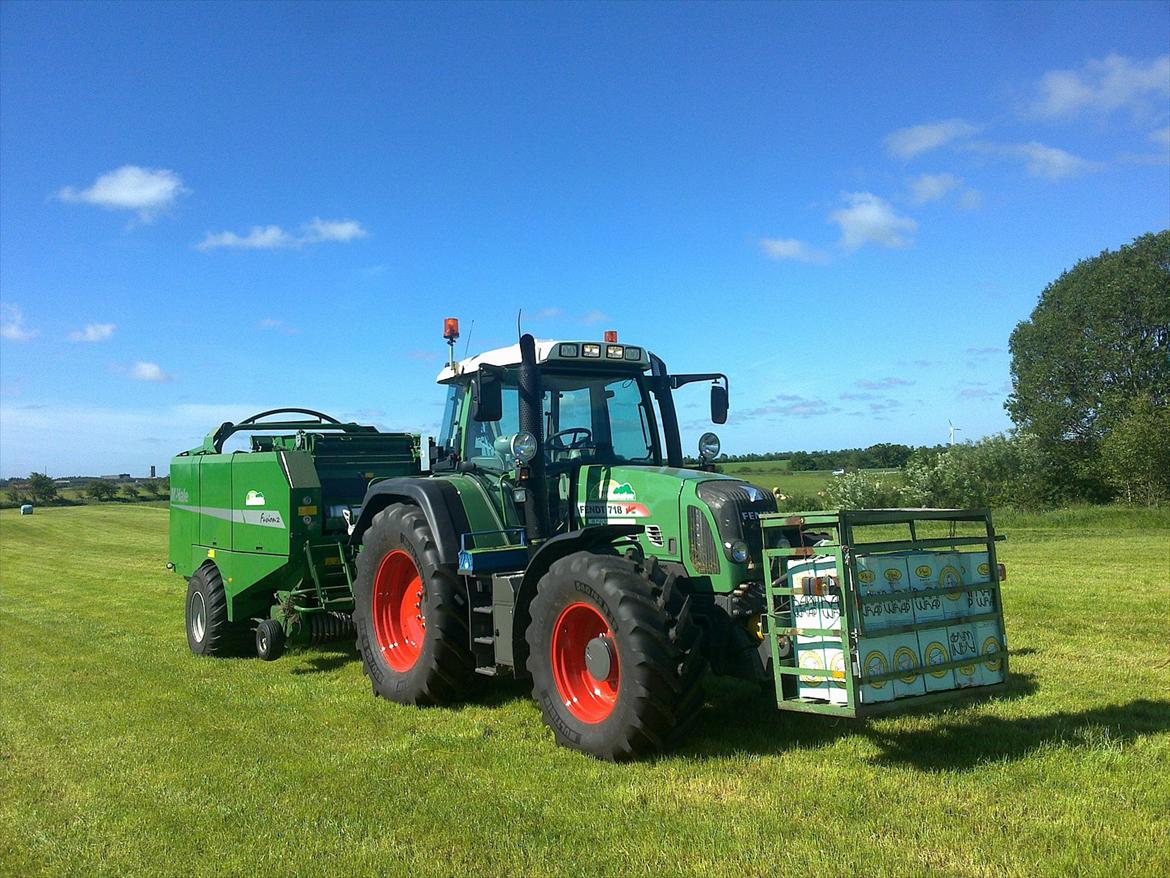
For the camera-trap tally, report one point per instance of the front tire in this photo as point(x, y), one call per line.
point(270, 640)
point(410, 613)
point(614, 656)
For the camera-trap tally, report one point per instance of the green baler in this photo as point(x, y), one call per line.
point(553, 533)
point(265, 530)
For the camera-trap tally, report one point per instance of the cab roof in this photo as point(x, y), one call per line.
point(582, 353)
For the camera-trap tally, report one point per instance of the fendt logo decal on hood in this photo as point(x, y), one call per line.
point(609, 511)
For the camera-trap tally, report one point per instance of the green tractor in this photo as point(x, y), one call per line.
point(551, 531)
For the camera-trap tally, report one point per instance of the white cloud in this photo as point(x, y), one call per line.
point(1049, 162)
point(1161, 136)
point(274, 237)
point(932, 187)
point(883, 383)
point(548, 314)
point(871, 220)
point(906, 143)
point(781, 249)
point(93, 332)
point(146, 190)
point(277, 326)
point(594, 316)
point(147, 371)
point(970, 199)
point(12, 324)
point(332, 230)
point(1113, 83)
point(259, 238)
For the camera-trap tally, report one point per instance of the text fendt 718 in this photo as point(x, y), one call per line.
point(552, 532)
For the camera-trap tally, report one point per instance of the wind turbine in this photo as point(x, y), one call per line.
point(954, 430)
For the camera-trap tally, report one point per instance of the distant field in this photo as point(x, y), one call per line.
point(774, 474)
point(123, 755)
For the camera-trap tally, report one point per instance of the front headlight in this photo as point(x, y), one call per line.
point(737, 551)
point(709, 446)
point(523, 446)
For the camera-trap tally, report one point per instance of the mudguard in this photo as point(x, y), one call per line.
point(438, 500)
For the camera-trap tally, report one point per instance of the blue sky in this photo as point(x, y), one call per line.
point(207, 210)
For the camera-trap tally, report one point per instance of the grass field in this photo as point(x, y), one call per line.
point(122, 754)
point(774, 474)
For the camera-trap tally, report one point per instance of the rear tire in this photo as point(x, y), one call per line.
point(270, 640)
point(614, 656)
point(208, 630)
point(410, 613)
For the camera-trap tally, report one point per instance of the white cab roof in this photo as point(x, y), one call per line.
point(509, 356)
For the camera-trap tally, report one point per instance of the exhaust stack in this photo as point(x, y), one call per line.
point(532, 421)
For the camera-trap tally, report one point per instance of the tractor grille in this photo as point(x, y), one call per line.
point(704, 555)
point(736, 507)
point(654, 535)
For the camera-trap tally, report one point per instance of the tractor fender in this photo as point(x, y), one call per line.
point(552, 550)
point(438, 500)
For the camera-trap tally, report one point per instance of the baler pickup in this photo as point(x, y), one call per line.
point(887, 609)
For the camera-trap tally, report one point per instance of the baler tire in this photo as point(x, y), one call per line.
point(270, 640)
point(443, 669)
point(213, 635)
point(657, 650)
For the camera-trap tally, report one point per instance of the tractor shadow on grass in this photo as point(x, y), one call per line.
point(738, 719)
point(969, 742)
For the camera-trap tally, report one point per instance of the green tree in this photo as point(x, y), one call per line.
point(130, 490)
point(1099, 338)
point(42, 488)
point(101, 490)
point(1135, 455)
point(995, 471)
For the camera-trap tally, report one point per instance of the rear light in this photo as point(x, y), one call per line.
point(610, 336)
point(451, 328)
point(1001, 571)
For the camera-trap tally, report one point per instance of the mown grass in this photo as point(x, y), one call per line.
point(122, 754)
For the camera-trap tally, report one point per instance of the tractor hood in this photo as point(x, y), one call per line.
point(661, 498)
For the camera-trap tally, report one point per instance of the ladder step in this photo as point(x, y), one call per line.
point(487, 672)
point(485, 610)
point(486, 640)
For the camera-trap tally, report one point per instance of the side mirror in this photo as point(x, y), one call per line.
point(718, 404)
point(487, 400)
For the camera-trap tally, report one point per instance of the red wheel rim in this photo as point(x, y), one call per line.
point(587, 698)
point(399, 622)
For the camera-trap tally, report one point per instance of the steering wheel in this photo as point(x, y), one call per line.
point(556, 442)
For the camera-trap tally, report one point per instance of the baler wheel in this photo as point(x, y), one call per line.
point(410, 613)
point(208, 630)
point(270, 640)
point(614, 655)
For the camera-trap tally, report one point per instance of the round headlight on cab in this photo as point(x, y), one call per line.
point(709, 446)
point(737, 551)
point(523, 446)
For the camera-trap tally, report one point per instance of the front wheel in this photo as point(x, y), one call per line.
point(614, 656)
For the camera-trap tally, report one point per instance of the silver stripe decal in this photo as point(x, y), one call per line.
point(255, 517)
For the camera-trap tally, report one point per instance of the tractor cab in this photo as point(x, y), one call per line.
point(601, 406)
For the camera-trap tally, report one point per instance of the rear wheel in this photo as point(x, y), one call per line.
point(208, 630)
point(410, 613)
point(614, 655)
